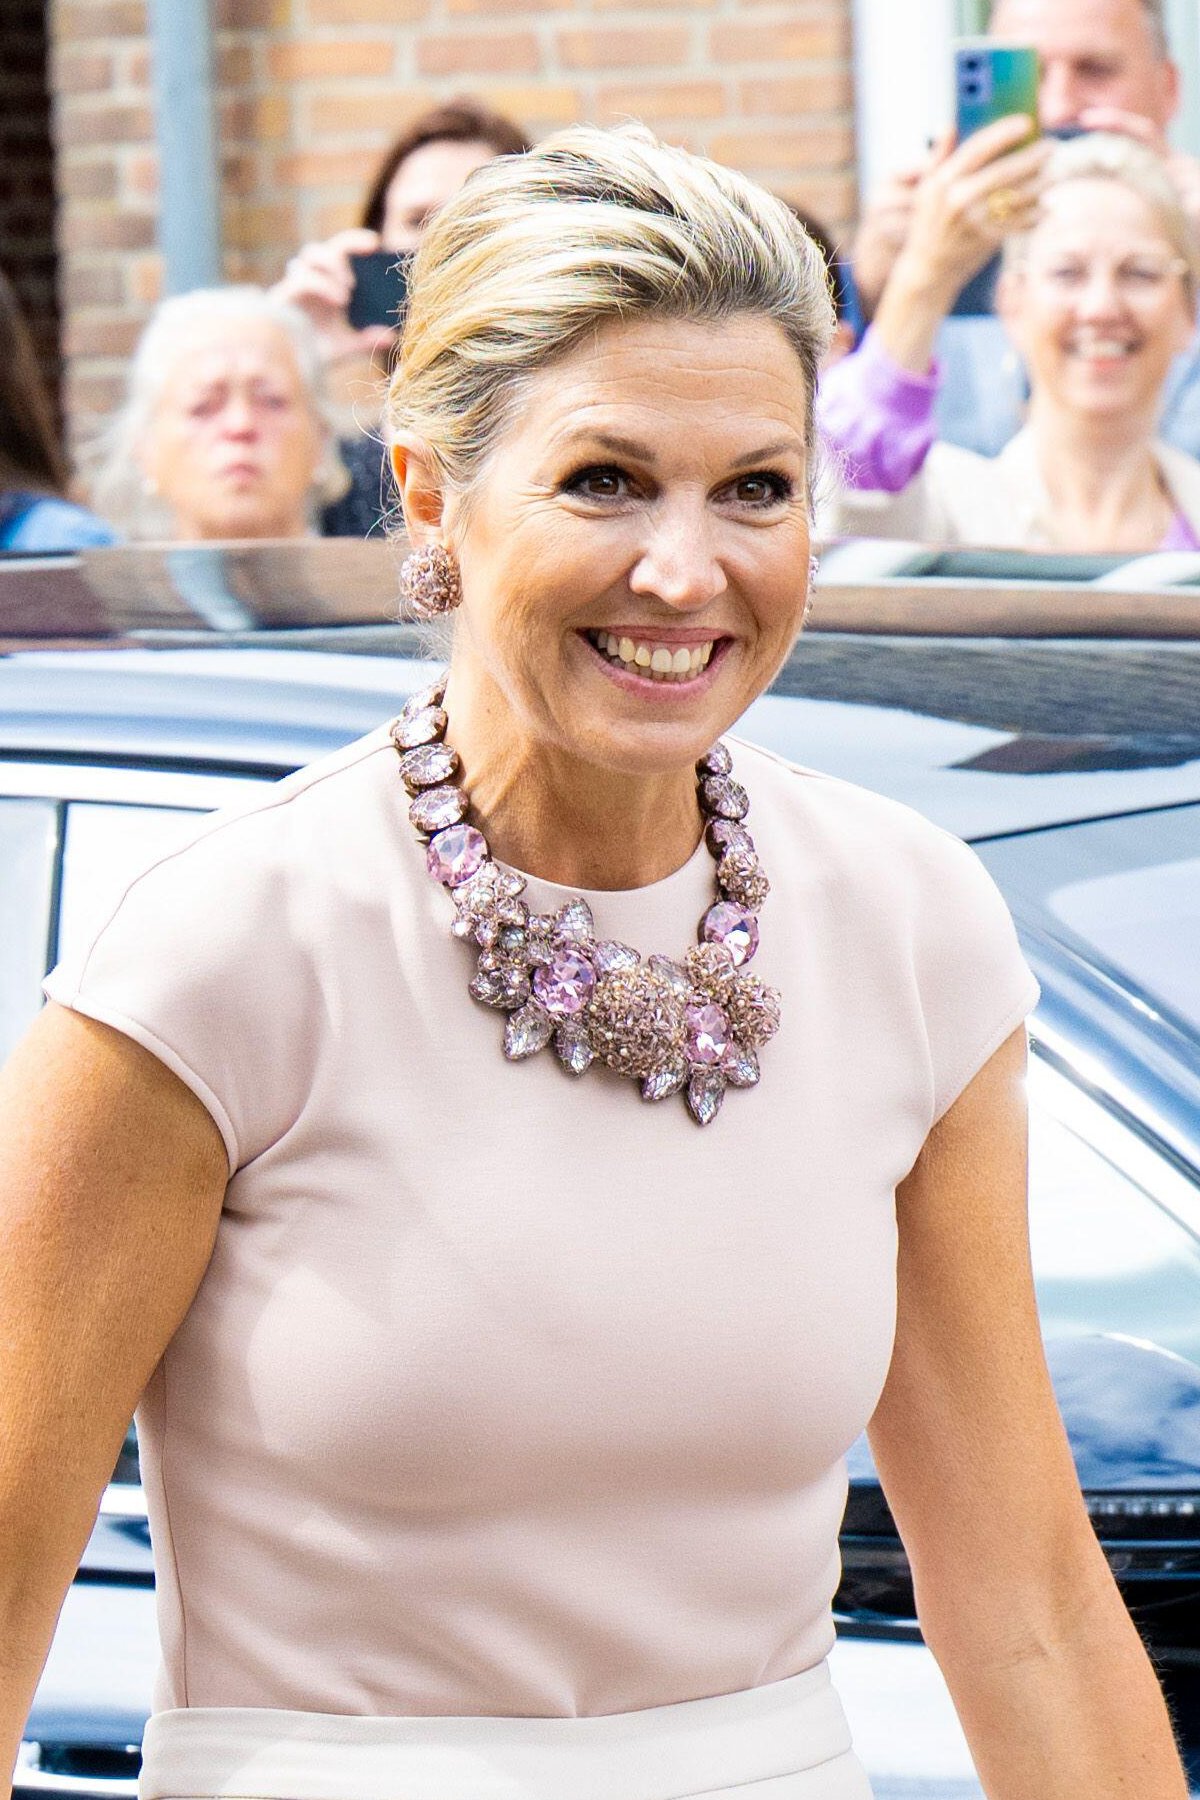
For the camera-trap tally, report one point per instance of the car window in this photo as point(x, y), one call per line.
point(104, 847)
point(1110, 1227)
point(1129, 888)
point(28, 841)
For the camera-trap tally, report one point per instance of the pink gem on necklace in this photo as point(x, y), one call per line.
point(692, 1026)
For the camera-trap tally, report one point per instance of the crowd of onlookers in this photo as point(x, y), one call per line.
point(1016, 362)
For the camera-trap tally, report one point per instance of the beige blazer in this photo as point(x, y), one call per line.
point(960, 497)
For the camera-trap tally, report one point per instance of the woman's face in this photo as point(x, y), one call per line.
point(233, 444)
point(635, 555)
point(422, 185)
point(1098, 306)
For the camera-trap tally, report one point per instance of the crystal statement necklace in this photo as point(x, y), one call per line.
point(692, 1027)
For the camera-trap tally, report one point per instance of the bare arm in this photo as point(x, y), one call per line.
point(1054, 1689)
point(112, 1177)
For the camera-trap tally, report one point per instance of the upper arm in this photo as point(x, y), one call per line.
point(112, 1177)
point(967, 1436)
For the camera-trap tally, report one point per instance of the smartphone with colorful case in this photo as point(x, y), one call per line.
point(993, 80)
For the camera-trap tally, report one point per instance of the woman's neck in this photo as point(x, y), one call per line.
point(549, 814)
point(1102, 479)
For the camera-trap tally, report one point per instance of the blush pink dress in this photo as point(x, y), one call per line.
point(509, 1405)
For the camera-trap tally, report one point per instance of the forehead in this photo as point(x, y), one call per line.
point(437, 169)
point(229, 349)
point(731, 377)
point(1086, 212)
point(1077, 28)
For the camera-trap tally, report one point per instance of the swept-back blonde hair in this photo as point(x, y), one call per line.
point(538, 251)
point(1106, 156)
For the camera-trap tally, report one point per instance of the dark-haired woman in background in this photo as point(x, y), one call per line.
point(33, 512)
point(423, 168)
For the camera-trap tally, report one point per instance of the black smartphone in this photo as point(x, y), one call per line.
point(380, 289)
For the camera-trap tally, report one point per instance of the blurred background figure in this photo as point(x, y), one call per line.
point(424, 167)
point(841, 288)
point(226, 431)
point(1098, 296)
point(1105, 67)
point(34, 513)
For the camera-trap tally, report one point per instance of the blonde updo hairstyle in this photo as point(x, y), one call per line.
point(1106, 156)
point(539, 251)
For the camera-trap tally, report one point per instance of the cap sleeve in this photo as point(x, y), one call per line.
point(199, 963)
point(976, 986)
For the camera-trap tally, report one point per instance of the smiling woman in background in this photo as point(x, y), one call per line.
point(1098, 295)
point(226, 431)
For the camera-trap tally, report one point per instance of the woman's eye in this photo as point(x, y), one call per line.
point(762, 490)
point(597, 483)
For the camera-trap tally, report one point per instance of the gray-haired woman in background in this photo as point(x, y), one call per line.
point(493, 1413)
point(226, 431)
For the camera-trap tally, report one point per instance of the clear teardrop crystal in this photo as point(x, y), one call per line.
point(574, 1051)
point(501, 986)
point(527, 1032)
point(610, 955)
point(705, 1092)
point(574, 920)
point(665, 1082)
point(740, 1067)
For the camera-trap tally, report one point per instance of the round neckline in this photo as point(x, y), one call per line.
point(668, 909)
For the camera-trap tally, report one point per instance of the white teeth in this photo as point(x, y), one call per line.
point(660, 662)
point(1102, 347)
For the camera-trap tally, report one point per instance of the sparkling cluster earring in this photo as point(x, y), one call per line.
point(430, 583)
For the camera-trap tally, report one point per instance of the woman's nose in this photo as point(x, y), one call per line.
point(678, 563)
point(1100, 294)
point(238, 418)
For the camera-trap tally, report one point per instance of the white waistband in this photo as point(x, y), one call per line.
point(662, 1753)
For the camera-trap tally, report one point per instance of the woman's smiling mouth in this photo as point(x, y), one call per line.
point(649, 658)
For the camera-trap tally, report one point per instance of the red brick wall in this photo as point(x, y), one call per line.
point(310, 91)
point(27, 247)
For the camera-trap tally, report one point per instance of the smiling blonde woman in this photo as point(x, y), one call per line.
point(1097, 295)
point(515, 1160)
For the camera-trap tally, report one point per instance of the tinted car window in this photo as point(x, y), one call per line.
point(28, 840)
point(1107, 1258)
point(1128, 888)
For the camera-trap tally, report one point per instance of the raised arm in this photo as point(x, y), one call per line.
point(112, 1177)
point(876, 407)
point(1050, 1679)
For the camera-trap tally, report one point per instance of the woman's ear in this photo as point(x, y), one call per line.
point(422, 490)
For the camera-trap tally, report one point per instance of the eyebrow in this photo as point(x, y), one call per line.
point(623, 446)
